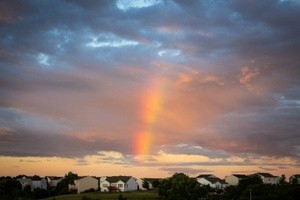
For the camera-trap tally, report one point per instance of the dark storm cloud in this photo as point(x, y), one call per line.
point(82, 65)
point(48, 145)
point(36, 136)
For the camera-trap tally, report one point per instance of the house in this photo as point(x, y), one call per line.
point(53, 180)
point(38, 182)
point(25, 181)
point(295, 179)
point(269, 178)
point(234, 179)
point(121, 183)
point(104, 184)
point(152, 182)
point(212, 181)
point(84, 183)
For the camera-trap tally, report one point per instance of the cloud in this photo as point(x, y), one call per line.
point(75, 75)
point(125, 4)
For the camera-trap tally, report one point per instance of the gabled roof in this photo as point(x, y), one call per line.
point(35, 178)
point(205, 175)
point(240, 175)
point(213, 180)
point(266, 175)
point(114, 179)
point(151, 180)
point(296, 175)
point(55, 178)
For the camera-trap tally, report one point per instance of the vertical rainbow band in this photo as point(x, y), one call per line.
point(151, 106)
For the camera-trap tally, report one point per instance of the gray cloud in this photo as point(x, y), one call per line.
point(239, 60)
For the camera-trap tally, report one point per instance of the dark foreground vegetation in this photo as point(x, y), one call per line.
point(177, 187)
point(11, 188)
point(182, 187)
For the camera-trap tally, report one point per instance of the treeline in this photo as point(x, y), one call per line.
point(182, 187)
point(11, 188)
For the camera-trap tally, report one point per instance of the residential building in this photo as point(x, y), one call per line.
point(53, 180)
point(295, 178)
point(121, 183)
point(234, 179)
point(212, 181)
point(104, 184)
point(268, 178)
point(151, 183)
point(25, 181)
point(85, 183)
point(38, 182)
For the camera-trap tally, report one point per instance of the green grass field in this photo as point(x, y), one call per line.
point(135, 195)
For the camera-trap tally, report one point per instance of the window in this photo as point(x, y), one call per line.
point(120, 185)
point(104, 185)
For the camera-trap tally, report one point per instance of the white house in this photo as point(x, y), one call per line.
point(122, 183)
point(234, 179)
point(25, 181)
point(151, 182)
point(38, 182)
point(85, 183)
point(104, 184)
point(269, 178)
point(53, 181)
point(295, 178)
point(212, 181)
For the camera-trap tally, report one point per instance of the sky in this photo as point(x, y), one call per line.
point(149, 87)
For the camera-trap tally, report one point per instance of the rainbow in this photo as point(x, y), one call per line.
point(151, 107)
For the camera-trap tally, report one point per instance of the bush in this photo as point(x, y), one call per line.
point(85, 198)
point(121, 197)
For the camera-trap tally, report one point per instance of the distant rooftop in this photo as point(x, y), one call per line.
point(205, 175)
point(113, 179)
point(240, 175)
point(266, 175)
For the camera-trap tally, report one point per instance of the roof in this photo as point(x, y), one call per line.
point(35, 178)
point(214, 180)
point(204, 175)
point(240, 175)
point(24, 180)
point(56, 178)
point(151, 180)
point(266, 175)
point(114, 179)
point(81, 177)
point(296, 176)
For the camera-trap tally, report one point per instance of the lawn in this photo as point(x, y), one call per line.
point(135, 195)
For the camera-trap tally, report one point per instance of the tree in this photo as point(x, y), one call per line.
point(155, 184)
point(180, 187)
point(282, 180)
point(250, 180)
point(145, 184)
point(63, 186)
point(10, 189)
point(294, 181)
point(40, 193)
point(70, 177)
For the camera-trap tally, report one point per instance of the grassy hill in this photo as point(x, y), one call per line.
point(135, 195)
